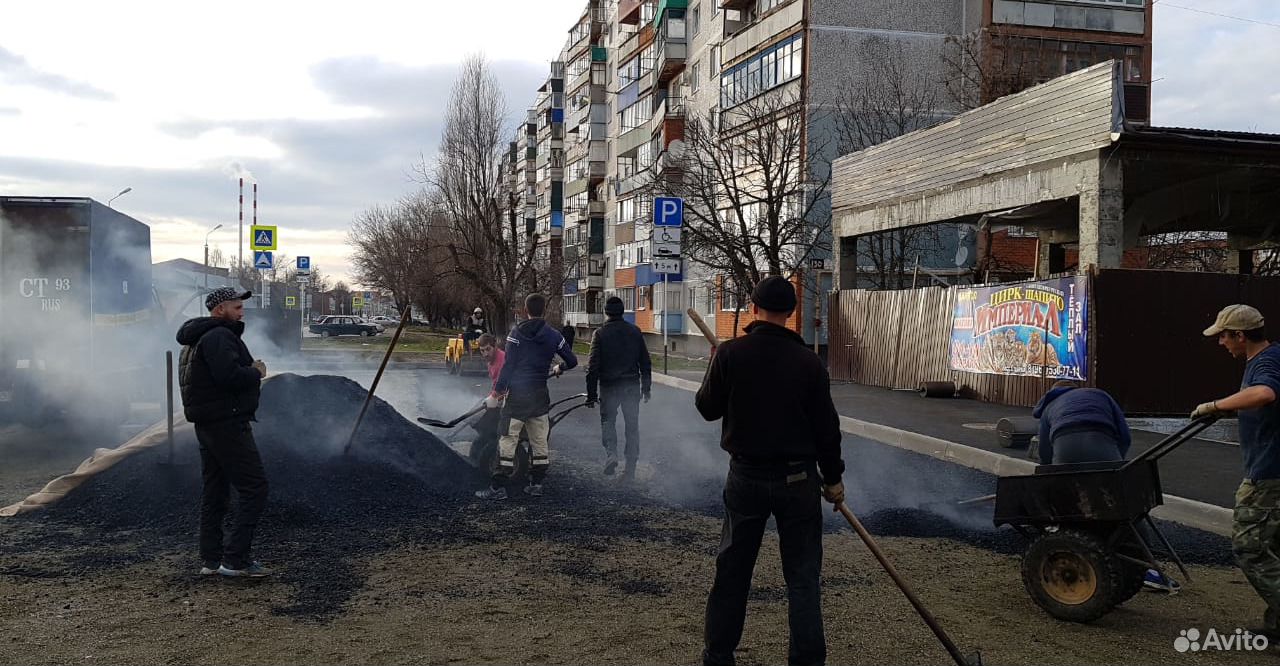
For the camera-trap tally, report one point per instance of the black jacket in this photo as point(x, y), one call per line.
point(775, 399)
point(215, 373)
point(618, 356)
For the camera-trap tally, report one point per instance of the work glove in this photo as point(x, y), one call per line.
point(834, 493)
point(645, 395)
point(260, 367)
point(491, 402)
point(591, 402)
point(1207, 409)
point(557, 370)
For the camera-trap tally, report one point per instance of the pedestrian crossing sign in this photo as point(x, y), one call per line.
point(262, 261)
point(357, 302)
point(263, 237)
point(290, 301)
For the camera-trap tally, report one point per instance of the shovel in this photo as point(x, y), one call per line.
point(435, 423)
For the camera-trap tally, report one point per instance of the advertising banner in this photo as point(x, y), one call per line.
point(1030, 329)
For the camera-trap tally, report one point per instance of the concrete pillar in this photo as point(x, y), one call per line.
point(1102, 214)
point(1239, 260)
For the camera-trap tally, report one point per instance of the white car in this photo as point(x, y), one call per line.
point(384, 320)
point(374, 322)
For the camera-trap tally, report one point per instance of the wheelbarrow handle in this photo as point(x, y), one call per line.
point(441, 424)
point(559, 416)
point(1168, 444)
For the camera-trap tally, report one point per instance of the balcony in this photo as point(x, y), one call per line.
point(742, 37)
point(595, 209)
point(629, 11)
point(674, 321)
point(736, 4)
point(584, 319)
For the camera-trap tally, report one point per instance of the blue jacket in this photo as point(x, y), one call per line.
point(1071, 407)
point(531, 346)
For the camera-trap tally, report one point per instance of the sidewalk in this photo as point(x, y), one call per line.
point(1201, 470)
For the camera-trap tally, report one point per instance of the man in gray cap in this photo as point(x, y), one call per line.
point(619, 363)
point(220, 383)
point(783, 435)
point(1255, 530)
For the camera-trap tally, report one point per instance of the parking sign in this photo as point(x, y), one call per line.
point(668, 211)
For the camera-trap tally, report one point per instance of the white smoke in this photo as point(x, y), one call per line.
point(236, 170)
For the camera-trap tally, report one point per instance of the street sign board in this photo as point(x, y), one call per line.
point(664, 250)
point(668, 211)
point(666, 234)
point(667, 266)
point(264, 237)
point(290, 301)
point(262, 260)
point(357, 301)
point(304, 265)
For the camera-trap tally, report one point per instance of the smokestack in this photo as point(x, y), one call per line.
point(240, 251)
point(255, 203)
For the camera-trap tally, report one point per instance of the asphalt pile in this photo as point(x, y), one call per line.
point(325, 509)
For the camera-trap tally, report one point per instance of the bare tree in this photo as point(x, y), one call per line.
point(889, 100)
point(1199, 251)
point(987, 64)
point(486, 246)
point(392, 248)
point(750, 194)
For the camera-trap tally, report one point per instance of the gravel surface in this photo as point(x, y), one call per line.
point(384, 557)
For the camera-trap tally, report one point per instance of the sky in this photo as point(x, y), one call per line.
point(328, 106)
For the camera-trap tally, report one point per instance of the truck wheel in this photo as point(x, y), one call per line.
point(1071, 575)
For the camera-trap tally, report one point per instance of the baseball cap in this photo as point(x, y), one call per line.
point(222, 295)
point(1238, 317)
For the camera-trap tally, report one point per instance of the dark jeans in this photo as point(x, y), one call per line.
point(1082, 446)
point(751, 494)
point(627, 396)
point(229, 459)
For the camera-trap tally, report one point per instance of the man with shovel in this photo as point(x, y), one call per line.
point(220, 384)
point(782, 432)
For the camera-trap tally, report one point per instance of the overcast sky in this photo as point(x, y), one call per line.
point(328, 105)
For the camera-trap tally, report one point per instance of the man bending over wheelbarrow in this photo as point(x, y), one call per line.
point(531, 347)
point(1255, 529)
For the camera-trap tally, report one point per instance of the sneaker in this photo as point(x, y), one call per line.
point(492, 493)
point(254, 570)
point(210, 568)
point(533, 490)
point(610, 465)
point(1158, 581)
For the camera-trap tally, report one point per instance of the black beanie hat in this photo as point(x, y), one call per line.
point(775, 294)
point(613, 306)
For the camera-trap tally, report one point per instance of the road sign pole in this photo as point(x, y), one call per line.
point(664, 323)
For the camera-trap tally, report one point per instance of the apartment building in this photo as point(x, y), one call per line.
point(632, 73)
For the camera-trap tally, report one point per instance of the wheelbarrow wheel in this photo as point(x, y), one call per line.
point(1071, 575)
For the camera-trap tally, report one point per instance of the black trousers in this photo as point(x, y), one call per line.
point(624, 396)
point(229, 459)
point(791, 494)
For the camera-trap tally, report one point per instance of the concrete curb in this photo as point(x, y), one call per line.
point(1199, 515)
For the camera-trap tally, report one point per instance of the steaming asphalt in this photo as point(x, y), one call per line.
point(894, 492)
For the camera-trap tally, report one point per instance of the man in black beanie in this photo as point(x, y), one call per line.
point(619, 364)
point(783, 436)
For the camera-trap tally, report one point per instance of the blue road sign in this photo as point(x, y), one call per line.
point(304, 263)
point(262, 260)
point(668, 211)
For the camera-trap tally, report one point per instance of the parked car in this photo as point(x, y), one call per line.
point(370, 321)
point(343, 325)
point(385, 321)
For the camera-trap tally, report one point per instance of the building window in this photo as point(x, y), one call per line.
point(763, 6)
point(628, 296)
point(695, 78)
point(637, 114)
point(763, 72)
point(695, 20)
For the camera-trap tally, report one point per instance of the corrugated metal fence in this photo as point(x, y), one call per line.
point(901, 339)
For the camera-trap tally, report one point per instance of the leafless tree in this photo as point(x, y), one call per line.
point(987, 64)
point(393, 247)
point(889, 100)
point(487, 248)
point(1199, 251)
point(750, 194)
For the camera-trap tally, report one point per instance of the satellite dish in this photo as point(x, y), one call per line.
point(676, 149)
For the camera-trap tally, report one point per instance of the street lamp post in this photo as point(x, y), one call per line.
point(122, 193)
point(206, 256)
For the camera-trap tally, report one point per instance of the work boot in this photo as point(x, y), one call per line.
point(254, 570)
point(610, 463)
point(210, 568)
point(629, 473)
point(492, 493)
point(533, 490)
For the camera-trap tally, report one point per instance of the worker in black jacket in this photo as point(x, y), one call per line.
point(220, 384)
point(619, 364)
point(783, 436)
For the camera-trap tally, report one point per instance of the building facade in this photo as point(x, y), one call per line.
point(604, 126)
